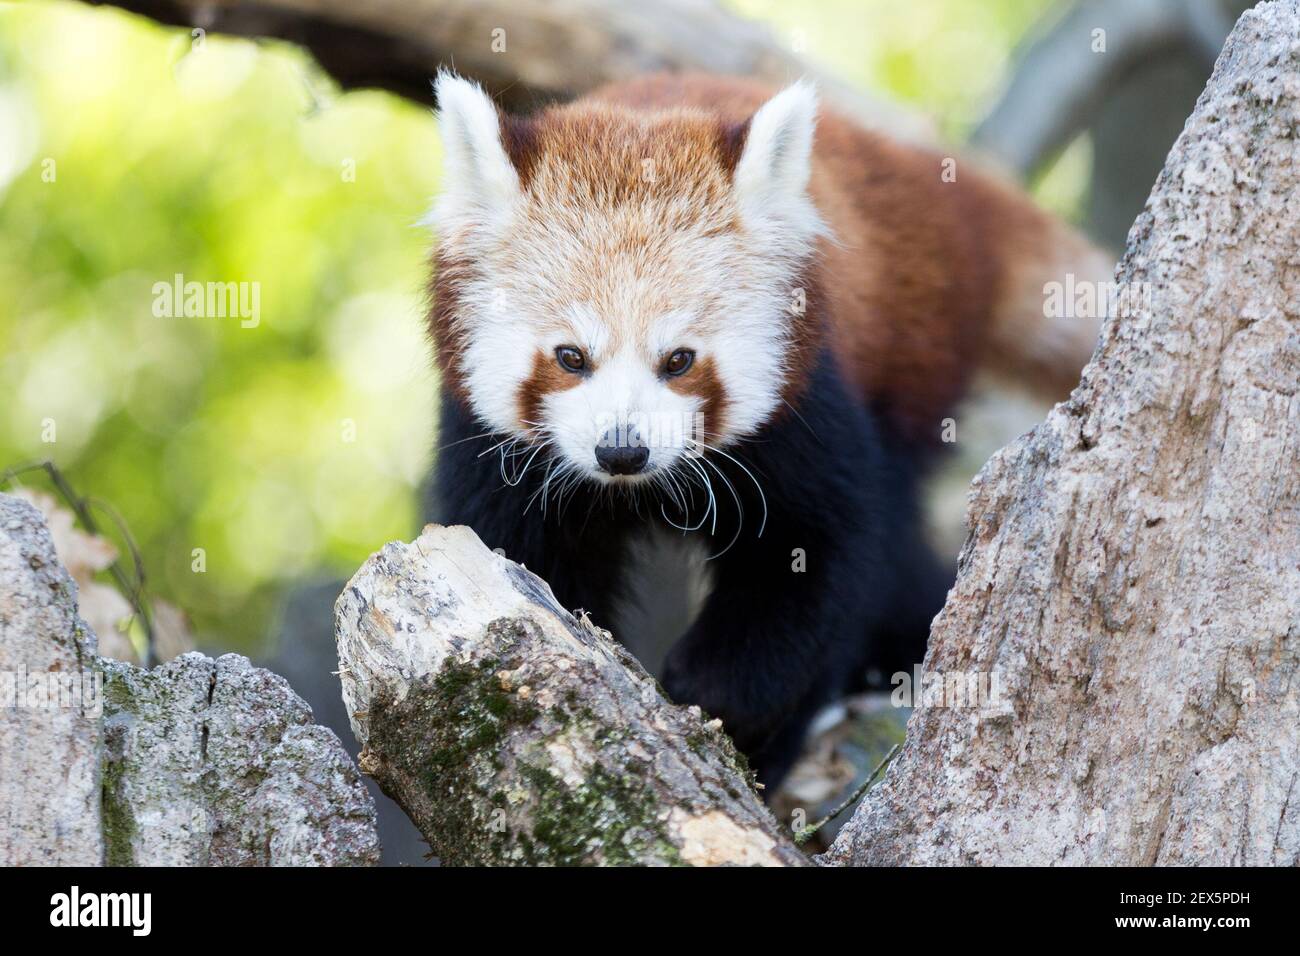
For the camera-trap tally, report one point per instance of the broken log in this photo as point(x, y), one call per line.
point(513, 732)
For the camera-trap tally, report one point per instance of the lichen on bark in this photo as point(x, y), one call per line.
point(513, 732)
point(217, 762)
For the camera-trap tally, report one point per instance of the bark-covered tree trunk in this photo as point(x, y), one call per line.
point(1133, 569)
point(512, 732)
point(50, 778)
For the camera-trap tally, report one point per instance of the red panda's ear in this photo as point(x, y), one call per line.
point(778, 144)
point(771, 176)
point(480, 184)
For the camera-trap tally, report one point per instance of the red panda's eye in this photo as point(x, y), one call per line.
point(570, 358)
point(679, 362)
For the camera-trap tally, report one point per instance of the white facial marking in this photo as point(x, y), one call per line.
point(499, 353)
point(589, 332)
point(545, 269)
point(623, 401)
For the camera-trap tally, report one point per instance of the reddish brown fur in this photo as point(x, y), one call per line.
point(602, 153)
point(519, 137)
point(920, 265)
point(692, 152)
point(703, 381)
point(547, 377)
point(447, 335)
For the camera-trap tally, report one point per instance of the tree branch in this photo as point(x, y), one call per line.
point(1064, 74)
point(512, 732)
point(524, 52)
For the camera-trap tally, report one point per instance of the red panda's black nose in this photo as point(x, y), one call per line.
point(620, 459)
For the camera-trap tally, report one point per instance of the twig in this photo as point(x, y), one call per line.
point(803, 833)
point(134, 593)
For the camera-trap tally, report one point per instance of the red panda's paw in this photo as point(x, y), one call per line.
point(693, 677)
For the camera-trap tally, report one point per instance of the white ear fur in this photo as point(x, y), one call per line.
point(776, 161)
point(480, 183)
point(771, 177)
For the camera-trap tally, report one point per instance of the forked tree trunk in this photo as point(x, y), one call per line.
point(1133, 569)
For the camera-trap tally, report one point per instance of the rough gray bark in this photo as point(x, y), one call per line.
point(195, 762)
point(512, 732)
point(524, 52)
point(217, 763)
point(1133, 568)
point(49, 755)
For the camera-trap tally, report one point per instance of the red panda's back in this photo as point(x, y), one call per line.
point(935, 267)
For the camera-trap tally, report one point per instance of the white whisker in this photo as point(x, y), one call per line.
point(739, 464)
point(740, 524)
point(708, 487)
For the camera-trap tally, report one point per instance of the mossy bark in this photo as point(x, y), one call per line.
point(196, 762)
point(514, 733)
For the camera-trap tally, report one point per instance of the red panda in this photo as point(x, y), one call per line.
point(697, 305)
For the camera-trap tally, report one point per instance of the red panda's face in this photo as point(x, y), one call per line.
point(619, 288)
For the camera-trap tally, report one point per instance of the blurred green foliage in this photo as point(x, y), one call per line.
point(130, 154)
point(216, 163)
point(946, 57)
